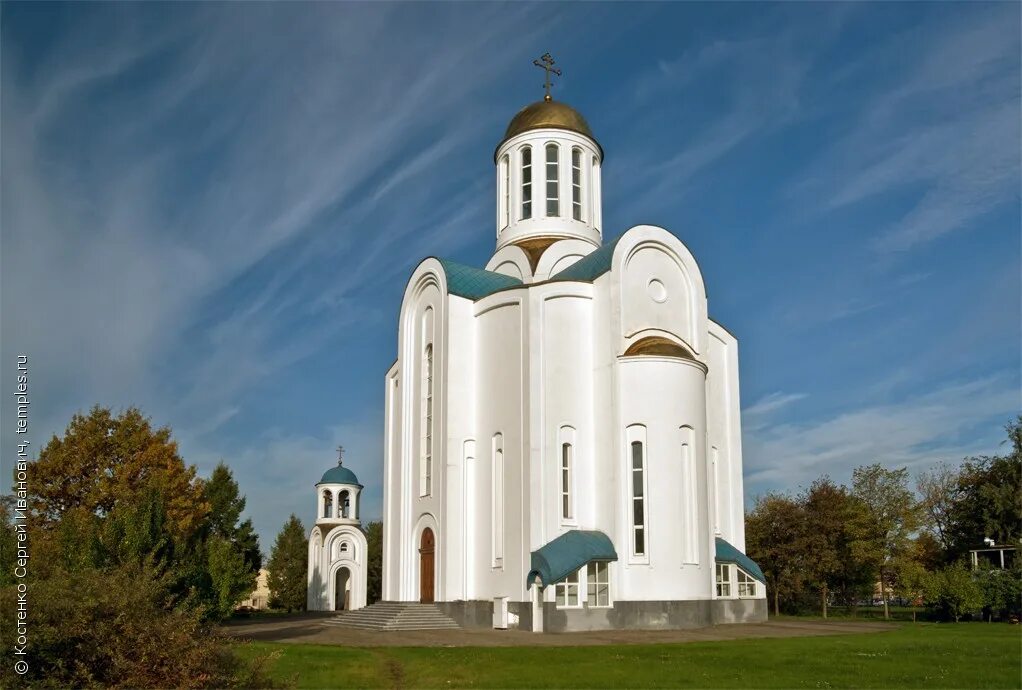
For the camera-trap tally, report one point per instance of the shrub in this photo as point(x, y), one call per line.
point(112, 628)
point(952, 592)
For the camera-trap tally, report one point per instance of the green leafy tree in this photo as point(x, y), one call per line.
point(775, 539)
point(8, 541)
point(103, 460)
point(986, 502)
point(1002, 590)
point(289, 566)
point(374, 567)
point(937, 489)
point(231, 551)
point(827, 508)
point(953, 591)
point(882, 530)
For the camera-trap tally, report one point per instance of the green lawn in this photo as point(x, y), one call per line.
point(967, 655)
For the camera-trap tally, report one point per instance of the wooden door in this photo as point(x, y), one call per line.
point(427, 548)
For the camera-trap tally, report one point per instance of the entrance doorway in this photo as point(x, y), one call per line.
point(427, 548)
point(342, 590)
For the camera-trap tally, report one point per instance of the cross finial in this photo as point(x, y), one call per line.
point(340, 454)
point(546, 62)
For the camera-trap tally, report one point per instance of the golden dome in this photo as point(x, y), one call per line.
point(548, 115)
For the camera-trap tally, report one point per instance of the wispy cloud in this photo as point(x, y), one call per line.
point(914, 432)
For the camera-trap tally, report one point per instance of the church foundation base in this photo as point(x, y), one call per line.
point(468, 614)
point(645, 615)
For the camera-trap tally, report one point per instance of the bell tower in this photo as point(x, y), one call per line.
point(548, 175)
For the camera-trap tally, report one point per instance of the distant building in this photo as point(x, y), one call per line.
point(260, 596)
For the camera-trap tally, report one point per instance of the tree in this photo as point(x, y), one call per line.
point(289, 567)
point(374, 584)
point(825, 507)
point(774, 532)
point(232, 556)
point(883, 528)
point(103, 460)
point(953, 591)
point(987, 498)
point(937, 489)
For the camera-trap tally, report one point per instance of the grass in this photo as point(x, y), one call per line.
point(966, 655)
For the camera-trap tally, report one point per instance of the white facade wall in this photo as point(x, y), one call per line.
point(522, 371)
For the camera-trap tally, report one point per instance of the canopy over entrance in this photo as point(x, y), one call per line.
point(567, 553)
point(726, 553)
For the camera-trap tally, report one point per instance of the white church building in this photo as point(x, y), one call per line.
point(563, 435)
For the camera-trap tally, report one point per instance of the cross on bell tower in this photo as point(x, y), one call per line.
point(546, 63)
point(340, 455)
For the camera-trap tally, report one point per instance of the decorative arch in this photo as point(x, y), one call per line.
point(659, 346)
point(426, 521)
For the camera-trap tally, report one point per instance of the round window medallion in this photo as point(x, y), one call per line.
point(657, 290)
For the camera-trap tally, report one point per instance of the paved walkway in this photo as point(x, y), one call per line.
point(308, 629)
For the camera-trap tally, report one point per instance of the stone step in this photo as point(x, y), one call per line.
point(394, 615)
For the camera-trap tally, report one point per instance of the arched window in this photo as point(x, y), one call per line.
point(328, 504)
point(552, 203)
point(526, 182)
point(344, 547)
point(344, 504)
point(566, 460)
point(505, 196)
point(638, 499)
point(576, 183)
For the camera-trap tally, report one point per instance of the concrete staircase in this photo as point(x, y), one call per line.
point(394, 615)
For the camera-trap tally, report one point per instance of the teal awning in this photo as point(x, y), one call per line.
point(726, 553)
point(569, 552)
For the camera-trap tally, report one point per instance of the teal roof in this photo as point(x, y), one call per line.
point(726, 553)
point(569, 552)
point(474, 283)
point(590, 267)
point(339, 475)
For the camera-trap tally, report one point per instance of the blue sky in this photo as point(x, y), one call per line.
point(210, 211)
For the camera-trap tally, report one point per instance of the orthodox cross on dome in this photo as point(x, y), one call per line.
point(546, 62)
point(340, 455)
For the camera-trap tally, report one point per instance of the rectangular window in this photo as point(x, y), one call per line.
point(746, 584)
point(638, 500)
point(598, 584)
point(723, 580)
point(567, 591)
point(576, 184)
point(552, 204)
point(526, 183)
point(497, 502)
point(566, 480)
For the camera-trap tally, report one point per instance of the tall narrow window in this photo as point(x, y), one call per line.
point(638, 500)
point(328, 504)
point(598, 584)
point(526, 182)
point(552, 204)
point(690, 497)
point(505, 209)
point(497, 501)
point(576, 184)
point(567, 590)
point(344, 504)
point(566, 459)
point(427, 406)
point(723, 580)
